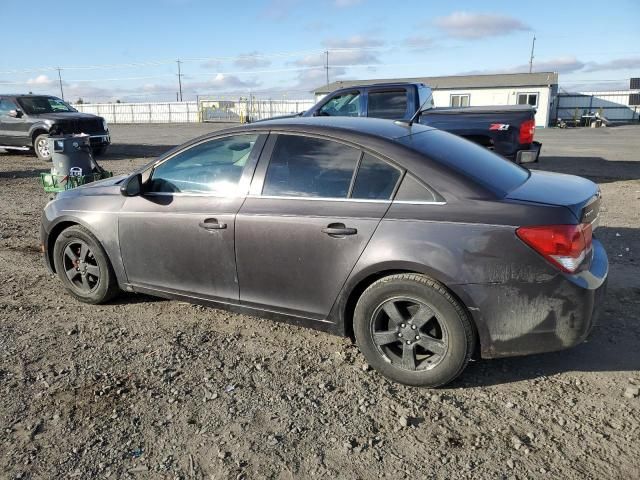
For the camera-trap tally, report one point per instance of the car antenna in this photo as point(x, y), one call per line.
point(415, 115)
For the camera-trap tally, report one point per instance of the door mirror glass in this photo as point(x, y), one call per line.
point(132, 186)
point(15, 113)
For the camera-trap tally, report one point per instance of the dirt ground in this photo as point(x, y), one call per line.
point(148, 388)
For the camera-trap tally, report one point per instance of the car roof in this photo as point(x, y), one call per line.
point(26, 95)
point(388, 129)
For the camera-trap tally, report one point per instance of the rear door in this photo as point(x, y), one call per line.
point(313, 207)
point(392, 103)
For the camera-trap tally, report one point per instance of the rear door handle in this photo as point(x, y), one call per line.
point(212, 224)
point(338, 230)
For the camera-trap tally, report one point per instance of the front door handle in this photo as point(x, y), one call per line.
point(212, 224)
point(338, 230)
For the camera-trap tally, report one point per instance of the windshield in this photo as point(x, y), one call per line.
point(36, 105)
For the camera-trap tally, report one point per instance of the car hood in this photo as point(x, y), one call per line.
point(65, 116)
point(108, 186)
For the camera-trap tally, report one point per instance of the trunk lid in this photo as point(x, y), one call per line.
point(578, 194)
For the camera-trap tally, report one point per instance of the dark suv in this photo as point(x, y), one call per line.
point(27, 120)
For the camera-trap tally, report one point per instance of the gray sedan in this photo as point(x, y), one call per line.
point(425, 247)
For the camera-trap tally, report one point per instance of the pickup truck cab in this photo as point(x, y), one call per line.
point(27, 120)
point(508, 130)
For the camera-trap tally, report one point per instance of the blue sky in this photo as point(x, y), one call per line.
point(128, 49)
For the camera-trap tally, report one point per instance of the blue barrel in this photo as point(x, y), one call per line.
point(71, 154)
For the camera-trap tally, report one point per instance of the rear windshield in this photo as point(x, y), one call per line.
point(485, 167)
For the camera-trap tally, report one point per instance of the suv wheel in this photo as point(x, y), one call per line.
point(41, 147)
point(83, 266)
point(413, 331)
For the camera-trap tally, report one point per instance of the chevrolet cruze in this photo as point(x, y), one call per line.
point(423, 246)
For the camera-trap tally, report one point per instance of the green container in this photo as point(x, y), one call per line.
point(59, 183)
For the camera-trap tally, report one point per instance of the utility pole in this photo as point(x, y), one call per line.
point(326, 65)
point(179, 79)
point(60, 81)
point(533, 46)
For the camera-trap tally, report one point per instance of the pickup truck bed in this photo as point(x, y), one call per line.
point(493, 127)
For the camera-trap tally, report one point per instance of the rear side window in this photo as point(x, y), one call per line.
point(310, 167)
point(390, 104)
point(375, 180)
point(481, 165)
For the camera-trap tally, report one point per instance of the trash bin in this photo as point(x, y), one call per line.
point(71, 154)
point(73, 164)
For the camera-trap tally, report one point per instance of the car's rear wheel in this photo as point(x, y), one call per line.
point(41, 147)
point(413, 331)
point(83, 266)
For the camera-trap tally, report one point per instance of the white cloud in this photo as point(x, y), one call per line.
point(478, 25)
point(355, 41)
point(418, 42)
point(40, 80)
point(251, 60)
point(560, 65)
point(628, 63)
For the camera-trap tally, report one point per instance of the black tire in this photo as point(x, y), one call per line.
point(41, 147)
point(99, 151)
point(425, 323)
point(86, 274)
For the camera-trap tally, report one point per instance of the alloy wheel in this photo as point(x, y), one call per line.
point(408, 334)
point(81, 267)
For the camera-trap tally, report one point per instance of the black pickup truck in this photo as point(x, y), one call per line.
point(27, 120)
point(508, 130)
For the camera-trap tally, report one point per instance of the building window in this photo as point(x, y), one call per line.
point(460, 100)
point(528, 99)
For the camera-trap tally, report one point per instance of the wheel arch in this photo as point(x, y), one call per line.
point(353, 290)
point(38, 129)
point(60, 227)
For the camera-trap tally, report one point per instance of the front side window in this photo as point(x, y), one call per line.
point(36, 105)
point(343, 105)
point(215, 166)
point(460, 100)
point(375, 180)
point(6, 106)
point(310, 167)
point(528, 99)
point(389, 104)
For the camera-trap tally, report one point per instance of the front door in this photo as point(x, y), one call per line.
point(13, 130)
point(178, 236)
point(307, 221)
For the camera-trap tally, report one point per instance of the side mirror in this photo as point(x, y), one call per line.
point(132, 186)
point(15, 113)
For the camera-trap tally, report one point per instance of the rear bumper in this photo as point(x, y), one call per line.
point(529, 155)
point(521, 318)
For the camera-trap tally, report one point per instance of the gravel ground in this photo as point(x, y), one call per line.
point(148, 388)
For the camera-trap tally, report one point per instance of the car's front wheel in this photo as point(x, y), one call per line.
point(83, 266)
point(413, 331)
point(41, 147)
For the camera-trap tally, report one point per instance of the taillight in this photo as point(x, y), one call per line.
point(563, 245)
point(527, 130)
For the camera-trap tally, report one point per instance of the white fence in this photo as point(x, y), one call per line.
point(159, 112)
point(615, 106)
point(204, 110)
